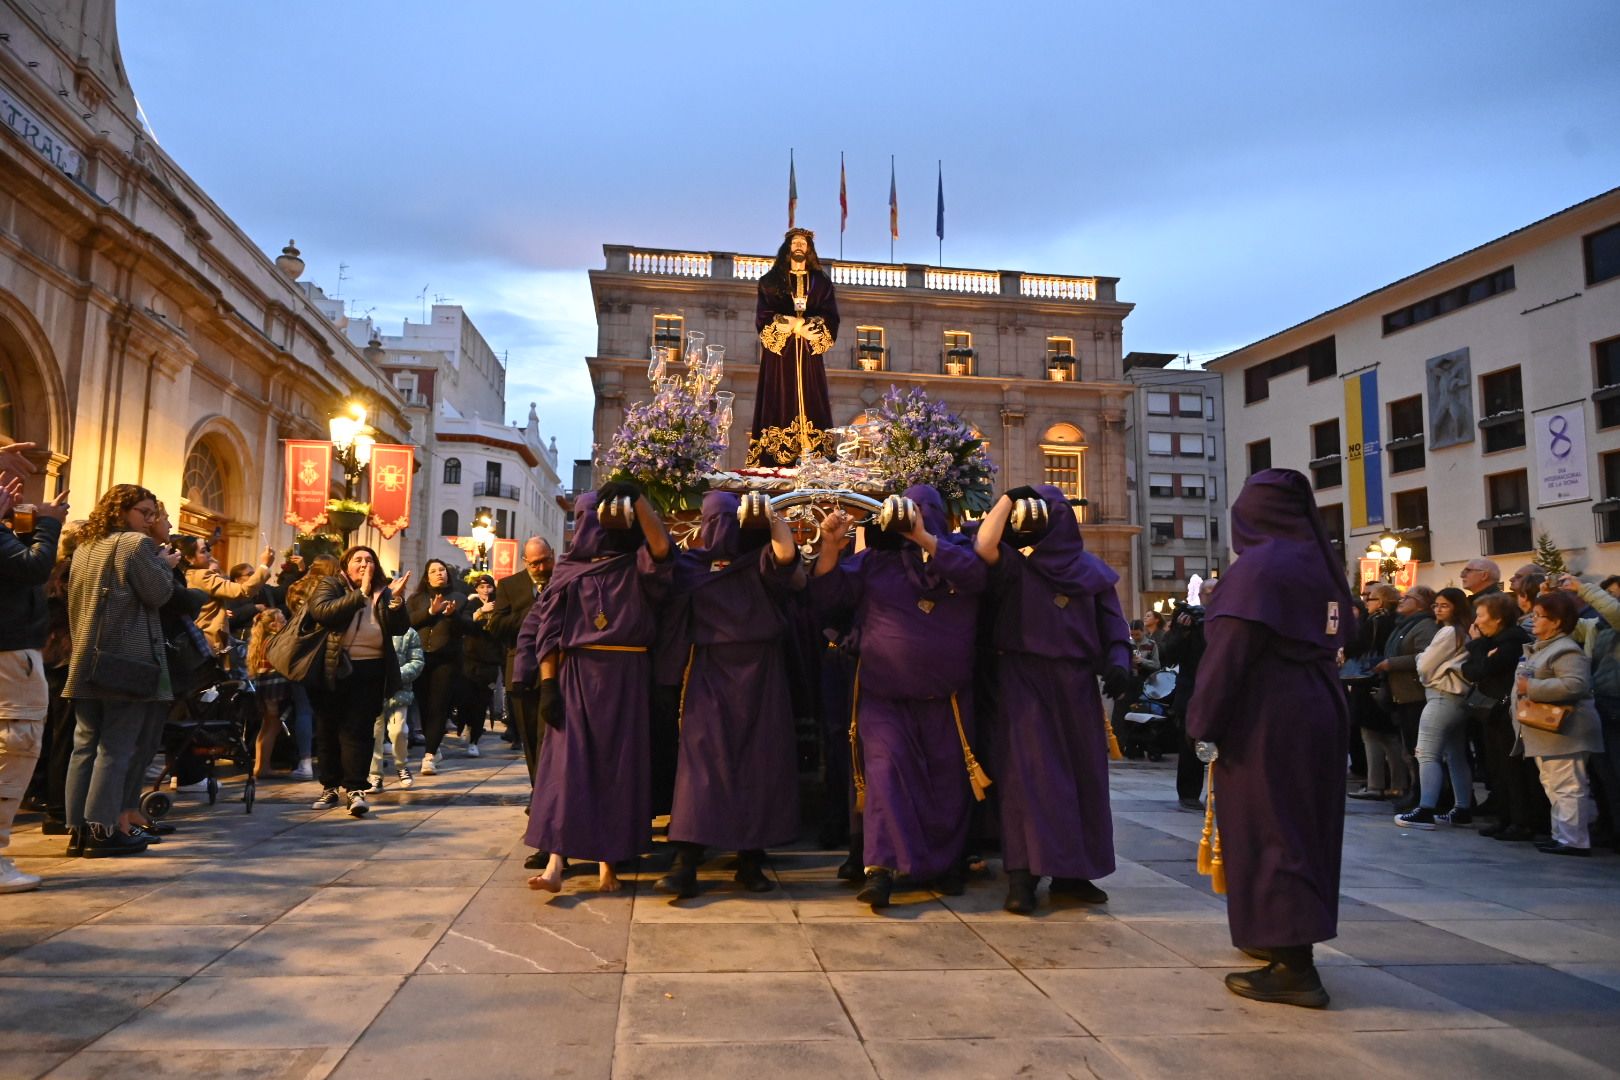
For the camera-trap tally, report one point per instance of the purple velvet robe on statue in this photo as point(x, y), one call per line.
point(592, 784)
point(1057, 626)
point(737, 782)
point(776, 399)
point(916, 620)
point(1269, 697)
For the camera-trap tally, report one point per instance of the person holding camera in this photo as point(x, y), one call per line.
point(27, 553)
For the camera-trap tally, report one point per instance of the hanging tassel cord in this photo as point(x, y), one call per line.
point(1114, 752)
point(977, 777)
point(857, 771)
point(1210, 863)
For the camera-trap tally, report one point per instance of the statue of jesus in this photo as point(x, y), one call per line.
point(797, 320)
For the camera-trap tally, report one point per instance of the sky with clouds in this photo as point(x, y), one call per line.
point(1239, 167)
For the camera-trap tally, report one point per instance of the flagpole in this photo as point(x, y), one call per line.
point(840, 206)
point(893, 209)
point(941, 215)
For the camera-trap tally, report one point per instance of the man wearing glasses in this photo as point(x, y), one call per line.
point(1480, 577)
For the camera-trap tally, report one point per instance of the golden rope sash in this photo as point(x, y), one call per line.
point(680, 715)
point(977, 777)
point(857, 772)
point(1209, 844)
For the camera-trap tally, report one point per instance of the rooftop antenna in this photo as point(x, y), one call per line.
point(343, 275)
point(422, 296)
point(439, 298)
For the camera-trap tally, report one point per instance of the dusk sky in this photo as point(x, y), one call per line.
point(1239, 167)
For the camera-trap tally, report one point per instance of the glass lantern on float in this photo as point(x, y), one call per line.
point(694, 349)
point(715, 356)
point(657, 363)
point(723, 402)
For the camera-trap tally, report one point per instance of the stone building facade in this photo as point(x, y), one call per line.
point(1033, 361)
point(1488, 404)
point(144, 338)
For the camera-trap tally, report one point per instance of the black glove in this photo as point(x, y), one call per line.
point(1116, 681)
point(551, 704)
point(1025, 492)
point(614, 488)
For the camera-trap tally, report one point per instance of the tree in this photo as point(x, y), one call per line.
point(1548, 557)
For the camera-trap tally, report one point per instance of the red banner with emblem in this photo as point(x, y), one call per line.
point(309, 483)
point(391, 488)
point(503, 560)
point(1405, 577)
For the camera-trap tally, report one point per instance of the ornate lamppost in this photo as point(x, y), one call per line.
point(483, 538)
point(352, 439)
point(1391, 554)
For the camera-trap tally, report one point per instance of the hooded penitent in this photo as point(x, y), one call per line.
point(1269, 697)
point(1057, 627)
point(736, 783)
point(599, 615)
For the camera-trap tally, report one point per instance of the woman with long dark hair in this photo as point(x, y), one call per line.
point(438, 613)
point(362, 611)
point(1443, 725)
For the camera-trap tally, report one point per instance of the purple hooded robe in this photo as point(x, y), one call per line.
point(1269, 697)
point(916, 620)
point(1057, 627)
point(592, 784)
point(736, 780)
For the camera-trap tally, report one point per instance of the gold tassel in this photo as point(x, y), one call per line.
point(977, 777)
point(1205, 847)
point(856, 771)
point(1217, 868)
point(1210, 863)
point(686, 677)
point(1114, 752)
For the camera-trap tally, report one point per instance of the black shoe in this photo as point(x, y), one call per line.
point(749, 873)
point(1263, 955)
point(879, 884)
point(1514, 834)
point(1281, 984)
point(537, 861)
point(75, 848)
point(159, 828)
point(1192, 806)
point(141, 832)
point(53, 827)
point(1555, 848)
point(952, 882)
point(681, 881)
point(1460, 818)
point(1494, 832)
point(112, 845)
point(1078, 889)
point(852, 869)
point(1020, 892)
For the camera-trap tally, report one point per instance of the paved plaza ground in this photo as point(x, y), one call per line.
point(291, 943)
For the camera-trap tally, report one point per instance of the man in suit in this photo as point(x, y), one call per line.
point(514, 596)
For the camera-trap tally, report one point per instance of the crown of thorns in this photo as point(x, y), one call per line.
point(808, 234)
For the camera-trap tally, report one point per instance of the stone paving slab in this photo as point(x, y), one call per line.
point(299, 944)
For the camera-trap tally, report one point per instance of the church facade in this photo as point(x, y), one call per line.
point(1032, 361)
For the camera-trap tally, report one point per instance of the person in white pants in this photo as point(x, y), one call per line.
point(393, 728)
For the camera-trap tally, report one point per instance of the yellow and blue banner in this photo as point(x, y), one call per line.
point(1365, 450)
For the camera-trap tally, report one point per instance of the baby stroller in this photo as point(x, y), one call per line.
point(1148, 730)
point(216, 719)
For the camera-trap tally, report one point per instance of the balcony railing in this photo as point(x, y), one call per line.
point(497, 491)
point(708, 264)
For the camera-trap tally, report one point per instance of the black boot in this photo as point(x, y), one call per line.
point(681, 881)
point(750, 873)
point(1289, 979)
point(1078, 888)
point(952, 882)
point(1021, 892)
point(99, 844)
point(853, 868)
point(879, 884)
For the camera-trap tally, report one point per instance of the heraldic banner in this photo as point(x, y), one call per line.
point(309, 483)
point(391, 488)
point(505, 560)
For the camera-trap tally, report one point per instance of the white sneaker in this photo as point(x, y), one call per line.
point(472, 749)
point(199, 786)
point(430, 767)
point(15, 880)
point(376, 787)
point(357, 804)
point(405, 778)
point(305, 770)
point(329, 798)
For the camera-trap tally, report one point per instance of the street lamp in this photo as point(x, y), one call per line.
point(352, 439)
point(1390, 553)
point(483, 538)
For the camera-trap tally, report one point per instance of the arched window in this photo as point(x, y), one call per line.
point(1064, 433)
point(204, 483)
point(449, 522)
point(452, 472)
point(1063, 448)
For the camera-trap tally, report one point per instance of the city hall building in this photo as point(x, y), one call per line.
point(1468, 408)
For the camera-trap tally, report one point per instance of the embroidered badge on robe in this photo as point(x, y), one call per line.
point(925, 606)
point(601, 620)
point(719, 565)
point(1060, 600)
point(1332, 618)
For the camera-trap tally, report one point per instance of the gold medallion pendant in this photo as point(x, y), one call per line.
point(601, 620)
point(925, 606)
point(1060, 600)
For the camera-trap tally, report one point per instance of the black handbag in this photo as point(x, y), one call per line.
point(298, 645)
point(114, 675)
point(1480, 705)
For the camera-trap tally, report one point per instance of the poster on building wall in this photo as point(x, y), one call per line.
point(391, 488)
point(1561, 472)
point(504, 559)
point(1364, 449)
point(1405, 575)
point(1451, 400)
point(308, 471)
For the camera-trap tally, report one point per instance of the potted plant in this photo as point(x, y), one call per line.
point(920, 441)
point(346, 515)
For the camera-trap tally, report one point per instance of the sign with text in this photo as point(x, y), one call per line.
point(33, 131)
point(1561, 472)
point(309, 480)
point(391, 488)
point(504, 559)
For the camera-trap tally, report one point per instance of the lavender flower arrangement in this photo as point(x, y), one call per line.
point(920, 441)
point(668, 444)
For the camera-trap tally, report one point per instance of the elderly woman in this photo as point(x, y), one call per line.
point(1414, 629)
point(1556, 671)
point(1495, 647)
point(1442, 741)
point(1380, 738)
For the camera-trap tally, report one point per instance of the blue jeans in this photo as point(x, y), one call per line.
point(303, 725)
point(1443, 737)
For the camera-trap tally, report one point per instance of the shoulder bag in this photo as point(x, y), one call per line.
point(112, 674)
point(297, 646)
point(1540, 715)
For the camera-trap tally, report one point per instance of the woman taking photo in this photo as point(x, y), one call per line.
point(361, 612)
point(1494, 651)
point(438, 615)
point(117, 676)
point(1443, 725)
point(1556, 671)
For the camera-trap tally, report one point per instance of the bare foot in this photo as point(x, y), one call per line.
point(550, 879)
point(607, 880)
